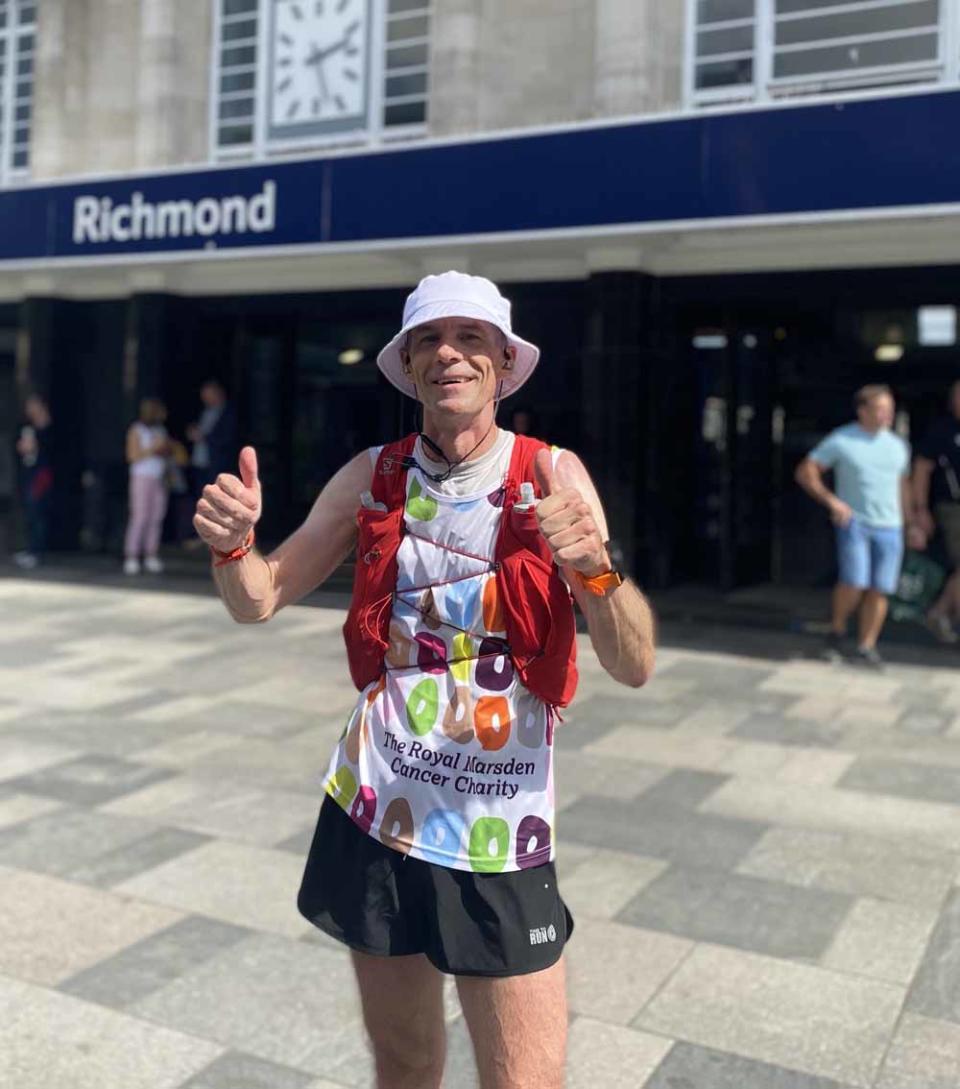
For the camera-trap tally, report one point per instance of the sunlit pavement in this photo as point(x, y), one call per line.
point(761, 851)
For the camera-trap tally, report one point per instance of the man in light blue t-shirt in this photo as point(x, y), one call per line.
point(868, 506)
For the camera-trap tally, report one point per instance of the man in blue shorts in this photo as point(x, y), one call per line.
point(868, 506)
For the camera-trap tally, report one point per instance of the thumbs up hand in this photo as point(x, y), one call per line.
point(565, 517)
point(230, 507)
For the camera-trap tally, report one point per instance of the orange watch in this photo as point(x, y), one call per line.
point(601, 585)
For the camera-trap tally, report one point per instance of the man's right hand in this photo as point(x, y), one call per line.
point(926, 522)
point(841, 514)
point(230, 507)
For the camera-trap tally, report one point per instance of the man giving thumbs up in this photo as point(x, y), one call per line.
point(435, 844)
point(571, 519)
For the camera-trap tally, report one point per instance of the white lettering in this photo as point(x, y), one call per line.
point(117, 230)
point(144, 218)
point(97, 219)
point(174, 217)
point(234, 210)
point(263, 209)
point(85, 213)
point(206, 216)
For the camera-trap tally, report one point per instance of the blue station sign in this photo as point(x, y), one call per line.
point(891, 152)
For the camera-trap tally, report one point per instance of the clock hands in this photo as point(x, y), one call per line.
point(318, 55)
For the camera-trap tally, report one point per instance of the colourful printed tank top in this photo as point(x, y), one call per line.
point(448, 758)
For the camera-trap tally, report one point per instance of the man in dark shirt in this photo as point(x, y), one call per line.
point(214, 435)
point(36, 478)
point(936, 503)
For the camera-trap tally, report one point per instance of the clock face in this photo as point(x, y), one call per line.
point(318, 79)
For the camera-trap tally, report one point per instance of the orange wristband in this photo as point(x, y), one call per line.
point(601, 585)
point(236, 554)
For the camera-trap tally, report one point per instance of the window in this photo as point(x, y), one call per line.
point(18, 21)
point(761, 48)
point(724, 35)
point(267, 48)
point(406, 63)
point(235, 93)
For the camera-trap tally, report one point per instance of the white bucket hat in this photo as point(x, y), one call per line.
point(457, 295)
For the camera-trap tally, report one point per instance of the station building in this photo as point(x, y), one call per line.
point(717, 218)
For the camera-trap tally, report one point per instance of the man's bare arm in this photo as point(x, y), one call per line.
point(809, 475)
point(920, 489)
point(621, 624)
point(255, 587)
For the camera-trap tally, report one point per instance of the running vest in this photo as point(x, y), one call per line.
point(447, 755)
point(536, 606)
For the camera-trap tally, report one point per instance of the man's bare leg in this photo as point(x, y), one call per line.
point(402, 1000)
point(519, 1028)
point(845, 601)
point(873, 612)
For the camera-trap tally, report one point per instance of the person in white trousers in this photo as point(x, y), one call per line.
point(148, 447)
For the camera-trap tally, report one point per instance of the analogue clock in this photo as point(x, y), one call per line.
point(319, 54)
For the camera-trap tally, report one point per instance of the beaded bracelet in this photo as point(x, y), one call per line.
point(236, 554)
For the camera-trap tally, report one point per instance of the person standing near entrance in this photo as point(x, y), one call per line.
point(36, 479)
point(434, 848)
point(148, 448)
point(936, 504)
point(214, 435)
point(868, 507)
point(214, 439)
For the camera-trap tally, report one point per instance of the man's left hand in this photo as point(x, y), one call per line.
point(566, 521)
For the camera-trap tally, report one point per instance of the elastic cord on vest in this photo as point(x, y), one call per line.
point(438, 478)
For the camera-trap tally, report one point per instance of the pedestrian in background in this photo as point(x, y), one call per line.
point(868, 507)
point(936, 505)
point(214, 439)
point(36, 478)
point(214, 436)
point(148, 449)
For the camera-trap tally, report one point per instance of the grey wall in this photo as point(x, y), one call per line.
point(120, 85)
point(124, 84)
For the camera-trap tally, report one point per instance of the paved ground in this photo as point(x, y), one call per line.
point(762, 853)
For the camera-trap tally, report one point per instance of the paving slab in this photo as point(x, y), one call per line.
point(859, 864)
point(51, 929)
point(287, 1002)
point(49, 1039)
point(791, 1015)
point(881, 940)
point(234, 882)
point(712, 905)
point(616, 969)
point(690, 1067)
point(601, 1054)
point(935, 991)
point(925, 1054)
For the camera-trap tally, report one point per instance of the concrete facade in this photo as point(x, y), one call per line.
point(120, 86)
point(124, 85)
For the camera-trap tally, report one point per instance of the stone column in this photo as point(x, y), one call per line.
point(173, 82)
point(639, 56)
point(156, 83)
point(455, 77)
point(60, 88)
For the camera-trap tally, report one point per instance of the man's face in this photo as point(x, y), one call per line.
point(456, 364)
point(35, 411)
point(877, 413)
point(210, 394)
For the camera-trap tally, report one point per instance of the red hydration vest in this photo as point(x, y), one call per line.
point(536, 603)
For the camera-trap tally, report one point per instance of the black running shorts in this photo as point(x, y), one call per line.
point(377, 900)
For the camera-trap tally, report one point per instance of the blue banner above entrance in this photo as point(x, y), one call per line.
point(877, 153)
